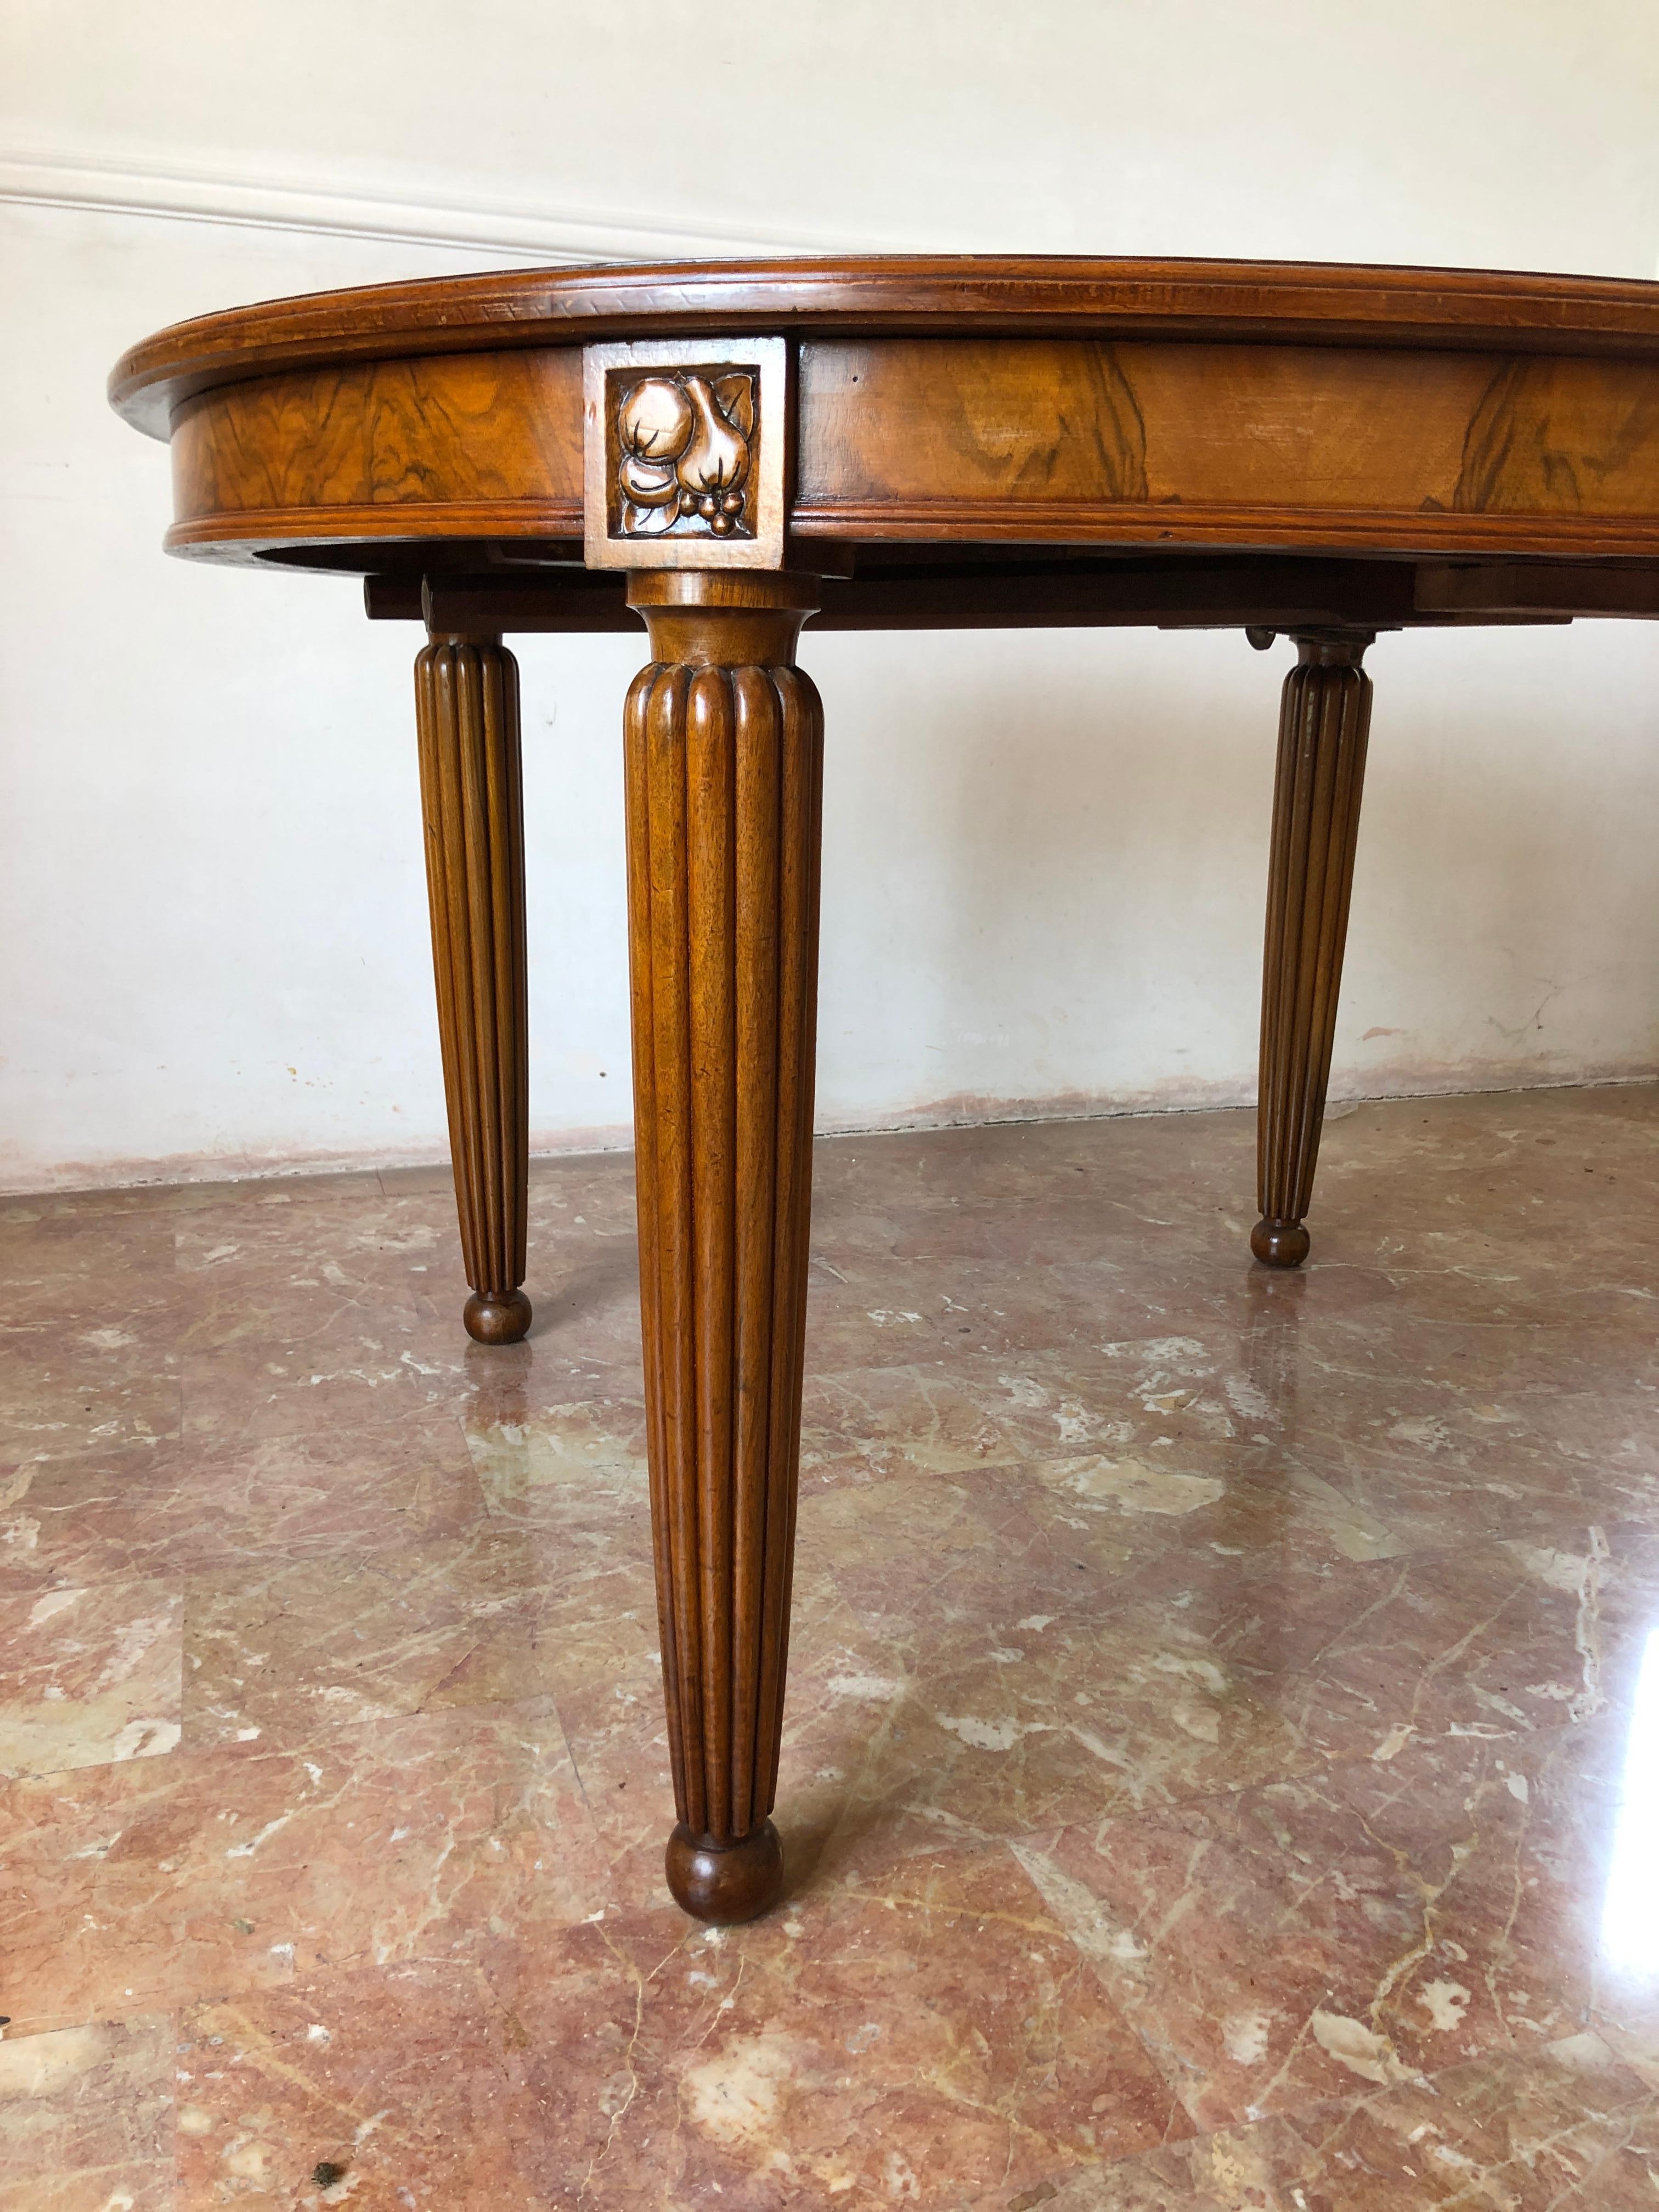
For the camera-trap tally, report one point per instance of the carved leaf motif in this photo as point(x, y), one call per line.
point(735, 395)
point(649, 521)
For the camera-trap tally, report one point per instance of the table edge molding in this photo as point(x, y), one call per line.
point(804, 296)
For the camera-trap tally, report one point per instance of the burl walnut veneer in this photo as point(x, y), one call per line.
point(728, 451)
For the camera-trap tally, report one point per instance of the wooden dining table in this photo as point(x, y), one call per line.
point(727, 453)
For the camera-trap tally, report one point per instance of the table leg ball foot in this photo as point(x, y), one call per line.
point(497, 1316)
point(724, 1883)
point(1280, 1243)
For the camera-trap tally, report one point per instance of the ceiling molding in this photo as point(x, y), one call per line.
point(527, 232)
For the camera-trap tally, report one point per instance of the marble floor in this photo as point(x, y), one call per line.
point(1222, 1766)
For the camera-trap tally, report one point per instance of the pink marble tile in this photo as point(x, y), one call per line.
point(293, 1646)
point(1167, 1631)
point(1033, 1720)
point(1567, 2130)
point(575, 1465)
point(128, 1513)
point(342, 1237)
point(1493, 1641)
point(860, 1424)
point(1359, 1638)
point(364, 1374)
point(89, 1675)
point(1081, 1539)
point(85, 1260)
point(105, 1385)
point(166, 1881)
point(843, 2051)
point(86, 2118)
point(1370, 1924)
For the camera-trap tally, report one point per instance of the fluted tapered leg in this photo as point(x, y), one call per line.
point(724, 748)
point(1322, 726)
point(466, 697)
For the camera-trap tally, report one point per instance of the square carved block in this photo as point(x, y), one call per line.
point(685, 451)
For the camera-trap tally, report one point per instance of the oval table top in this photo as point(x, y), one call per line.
point(994, 412)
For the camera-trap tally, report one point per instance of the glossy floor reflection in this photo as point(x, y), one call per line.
point(1222, 1766)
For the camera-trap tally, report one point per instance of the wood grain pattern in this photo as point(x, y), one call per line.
point(467, 694)
point(940, 295)
point(991, 439)
point(1201, 443)
point(468, 428)
point(1544, 436)
point(724, 753)
point(1324, 720)
point(1031, 421)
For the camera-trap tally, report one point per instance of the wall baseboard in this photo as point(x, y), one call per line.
point(531, 233)
point(70, 1177)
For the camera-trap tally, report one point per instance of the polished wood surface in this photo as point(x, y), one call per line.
point(1324, 721)
point(1324, 451)
point(995, 441)
point(995, 402)
point(1330, 303)
point(466, 702)
point(724, 750)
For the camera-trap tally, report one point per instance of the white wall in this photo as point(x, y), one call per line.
point(1044, 854)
